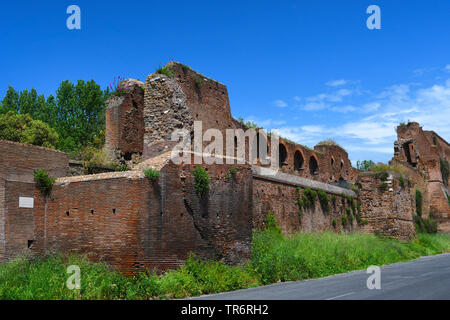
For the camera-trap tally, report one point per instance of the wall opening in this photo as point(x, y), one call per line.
point(283, 155)
point(313, 166)
point(298, 161)
point(409, 148)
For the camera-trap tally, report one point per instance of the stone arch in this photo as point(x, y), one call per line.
point(282, 154)
point(332, 161)
point(342, 164)
point(313, 165)
point(299, 160)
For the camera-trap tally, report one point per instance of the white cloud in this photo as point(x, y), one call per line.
point(314, 106)
point(332, 97)
point(447, 68)
point(344, 109)
point(370, 133)
point(336, 83)
point(280, 104)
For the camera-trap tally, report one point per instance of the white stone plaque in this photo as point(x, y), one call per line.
point(26, 202)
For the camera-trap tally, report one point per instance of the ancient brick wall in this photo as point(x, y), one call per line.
point(133, 223)
point(422, 150)
point(2, 220)
point(17, 231)
point(387, 205)
point(18, 161)
point(278, 195)
point(125, 120)
point(176, 101)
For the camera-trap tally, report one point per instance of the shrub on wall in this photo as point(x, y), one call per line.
point(152, 174)
point(334, 222)
point(324, 200)
point(232, 173)
point(43, 182)
point(202, 181)
point(401, 182)
point(272, 224)
point(309, 198)
point(334, 200)
point(166, 70)
point(383, 187)
point(344, 221)
point(428, 225)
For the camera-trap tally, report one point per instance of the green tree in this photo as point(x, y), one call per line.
point(80, 113)
point(11, 101)
point(76, 113)
point(364, 165)
point(22, 128)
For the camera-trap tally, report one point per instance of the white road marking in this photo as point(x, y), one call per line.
point(342, 295)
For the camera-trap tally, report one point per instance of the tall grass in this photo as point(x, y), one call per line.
point(275, 258)
point(312, 255)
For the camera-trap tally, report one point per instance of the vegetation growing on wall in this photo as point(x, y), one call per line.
point(232, 173)
point(43, 182)
point(201, 180)
point(166, 70)
point(344, 221)
point(152, 174)
point(423, 225)
point(383, 187)
point(324, 200)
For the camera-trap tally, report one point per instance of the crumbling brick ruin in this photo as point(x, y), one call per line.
point(422, 153)
point(134, 223)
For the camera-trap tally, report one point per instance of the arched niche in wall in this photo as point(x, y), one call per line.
point(299, 161)
point(283, 155)
point(313, 165)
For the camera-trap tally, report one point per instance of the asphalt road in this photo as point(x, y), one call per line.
point(424, 278)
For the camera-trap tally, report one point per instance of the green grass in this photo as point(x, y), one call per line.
point(275, 258)
point(152, 174)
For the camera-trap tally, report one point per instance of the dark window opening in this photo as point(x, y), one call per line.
point(127, 156)
point(30, 244)
point(92, 211)
point(332, 162)
point(298, 161)
point(67, 213)
point(342, 164)
point(283, 155)
point(409, 149)
point(313, 166)
point(114, 211)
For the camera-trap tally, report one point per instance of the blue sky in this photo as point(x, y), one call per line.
point(310, 69)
